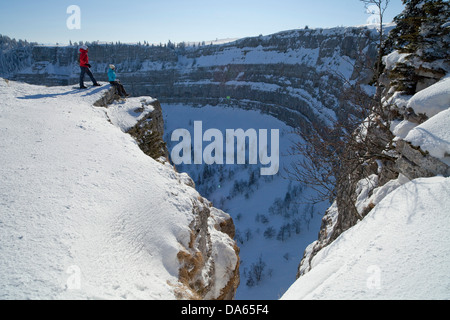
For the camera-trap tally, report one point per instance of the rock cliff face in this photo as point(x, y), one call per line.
point(149, 132)
point(295, 75)
point(204, 268)
point(209, 264)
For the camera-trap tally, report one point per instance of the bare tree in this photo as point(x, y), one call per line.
point(381, 6)
point(331, 160)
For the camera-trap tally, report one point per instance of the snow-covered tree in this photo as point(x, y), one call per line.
point(423, 32)
point(422, 28)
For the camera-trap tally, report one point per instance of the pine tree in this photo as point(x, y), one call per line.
point(405, 35)
point(434, 36)
point(421, 31)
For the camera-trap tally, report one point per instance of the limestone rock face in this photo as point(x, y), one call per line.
point(415, 163)
point(149, 132)
point(210, 267)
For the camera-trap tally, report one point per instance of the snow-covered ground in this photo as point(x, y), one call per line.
point(400, 250)
point(84, 213)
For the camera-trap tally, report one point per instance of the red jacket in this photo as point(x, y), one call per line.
point(84, 59)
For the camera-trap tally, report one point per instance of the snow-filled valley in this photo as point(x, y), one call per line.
point(273, 217)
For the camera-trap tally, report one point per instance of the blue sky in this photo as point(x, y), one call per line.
point(158, 21)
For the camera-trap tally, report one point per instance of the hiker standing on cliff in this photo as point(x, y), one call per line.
point(84, 66)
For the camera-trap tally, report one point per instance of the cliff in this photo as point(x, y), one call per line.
point(88, 215)
point(204, 269)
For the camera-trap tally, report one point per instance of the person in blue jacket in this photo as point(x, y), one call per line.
point(116, 83)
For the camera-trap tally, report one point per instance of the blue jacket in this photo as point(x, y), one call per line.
point(111, 75)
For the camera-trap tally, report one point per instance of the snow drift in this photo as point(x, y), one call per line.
point(399, 251)
point(433, 99)
point(433, 136)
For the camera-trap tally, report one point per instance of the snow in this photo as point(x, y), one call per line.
point(433, 136)
point(381, 192)
point(393, 58)
point(363, 187)
point(433, 99)
point(85, 214)
point(125, 114)
point(401, 128)
point(398, 99)
point(369, 194)
point(399, 250)
point(258, 55)
point(234, 52)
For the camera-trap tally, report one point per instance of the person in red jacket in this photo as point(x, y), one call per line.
point(84, 66)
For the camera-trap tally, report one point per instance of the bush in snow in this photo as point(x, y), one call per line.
point(257, 273)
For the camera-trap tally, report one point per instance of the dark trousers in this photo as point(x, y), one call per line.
point(85, 70)
point(119, 88)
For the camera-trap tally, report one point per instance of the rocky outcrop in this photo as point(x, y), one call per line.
point(204, 270)
point(149, 132)
point(427, 77)
point(108, 97)
point(415, 163)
